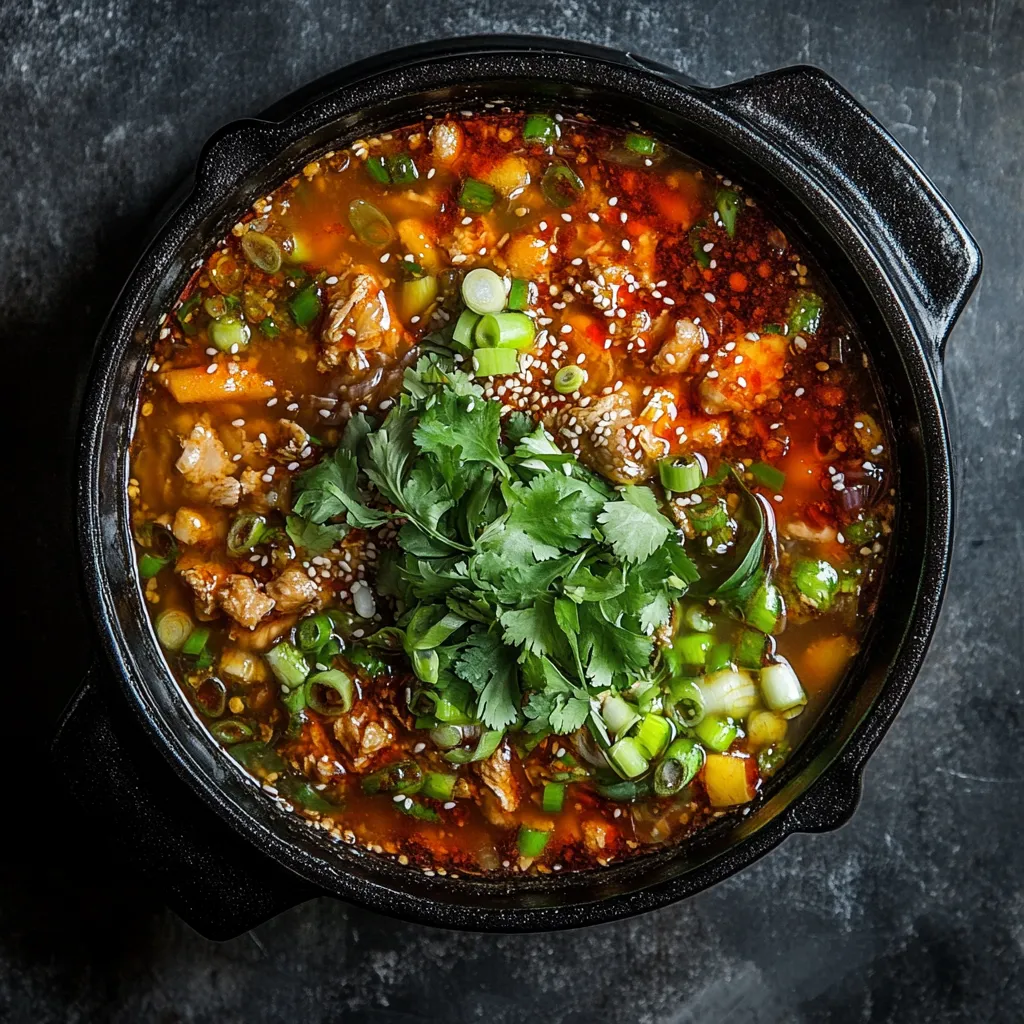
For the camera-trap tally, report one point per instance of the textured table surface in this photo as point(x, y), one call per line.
point(912, 913)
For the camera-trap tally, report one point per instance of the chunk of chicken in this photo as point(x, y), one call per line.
point(358, 323)
point(498, 775)
point(288, 441)
point(242, 599)
point(242, 666)
point(677, 352)
point(207, 469)
point(193, 527)
point(745, 377)
point(293, 590)
point(263, 496)
point(364, 731)
point(613, 442)
point(261, 638)
point(446, 139)
point(205, 579)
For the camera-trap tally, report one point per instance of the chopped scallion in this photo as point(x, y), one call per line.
point(476, 196)
point(541, 128)
point(483, 291)
point(568, 379)
point(495, 362)
point(505, 330)
point(680, 475)
point(553, 797)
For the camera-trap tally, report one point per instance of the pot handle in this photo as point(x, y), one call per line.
point(215, 882)
point(919, 238)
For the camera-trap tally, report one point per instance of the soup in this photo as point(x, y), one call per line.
point(510, 495)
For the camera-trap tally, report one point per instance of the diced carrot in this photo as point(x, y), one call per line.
point(588, 327)
point(822, 663)
point(673, 207)
point(737, 281)
point(729, 780)
point(195, 384)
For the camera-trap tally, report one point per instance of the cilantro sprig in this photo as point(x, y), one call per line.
point(524, 584)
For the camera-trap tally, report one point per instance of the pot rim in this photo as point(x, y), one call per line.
point(696, 105)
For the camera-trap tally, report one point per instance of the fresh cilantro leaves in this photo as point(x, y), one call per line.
point(633, 525)
point(524, 584)
point(312, 537)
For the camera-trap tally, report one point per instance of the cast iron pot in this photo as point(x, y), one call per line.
point(220, 851)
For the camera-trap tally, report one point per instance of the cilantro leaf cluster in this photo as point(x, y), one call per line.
point(525, 585)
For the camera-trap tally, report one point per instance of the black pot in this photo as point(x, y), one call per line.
point(898, 255)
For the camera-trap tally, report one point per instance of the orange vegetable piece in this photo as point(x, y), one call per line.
point(195, 384)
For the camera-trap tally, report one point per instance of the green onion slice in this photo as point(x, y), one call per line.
point(716, 733)
point(681, 475)
point(304, 305)
point(439, 786)
point(642, 144)
point(541, 128)
point(768, 476)
point(495, 362)
point(505, 330)
point(628, 758)
point(561, 185)
point(804, 313)
point(262, 251)
point(728, 204)
point(288, 665)
point(313, 633)
point(483, 291)
point(464, 327)
point(531, 841)
point(229, 334)
point(231, 730)
point(553, 797)
point(196, 641)
point(397, 777)
point(173, 628)
point(476, 196)
point(247, 530)
point(370, 225)
point(569, 378)
point(330, 693)
point(519, 294)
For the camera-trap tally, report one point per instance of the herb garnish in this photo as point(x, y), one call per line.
point(524, 584)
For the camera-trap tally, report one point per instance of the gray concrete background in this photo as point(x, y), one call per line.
point(913, 913)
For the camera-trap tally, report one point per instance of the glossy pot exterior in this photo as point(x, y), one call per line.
point(902, 262)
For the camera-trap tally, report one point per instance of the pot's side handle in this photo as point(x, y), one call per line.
point(219, 885)
point(922, 241)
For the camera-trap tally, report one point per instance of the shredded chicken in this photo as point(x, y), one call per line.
point(498, 774)
point(613, 442)
point(677, 352)
point(208, 470)
point(293, 590)
point(357, 324)
point(242, 599)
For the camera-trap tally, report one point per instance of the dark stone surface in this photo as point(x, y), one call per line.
point(911, 913)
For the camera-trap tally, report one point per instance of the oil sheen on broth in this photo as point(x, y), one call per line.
point(509, 495)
